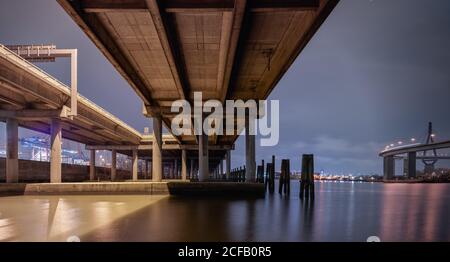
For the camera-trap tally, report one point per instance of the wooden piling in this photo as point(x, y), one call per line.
point(286, 173)
point(281, 179)
point(272, 175)
point(266, 177)
point(307, 177)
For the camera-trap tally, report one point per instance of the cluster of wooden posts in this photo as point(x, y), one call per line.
point(267, 176)
point(307, 178)
point(284, 186)
point(238, 174)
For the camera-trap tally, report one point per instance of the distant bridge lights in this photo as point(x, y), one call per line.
point(400, 143)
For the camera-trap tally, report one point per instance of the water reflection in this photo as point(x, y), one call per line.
point(339, 212)
point(307, 212)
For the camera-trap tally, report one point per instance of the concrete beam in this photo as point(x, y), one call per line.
point(12, 151)
point(92, 25)
point(164, 147)
point(157, 149)
point(168, 42)
point(283, 5)
point(35, 114)
point(101, 6)
point(177, 6)
point(55, 155)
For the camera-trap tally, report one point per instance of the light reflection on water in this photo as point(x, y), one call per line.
point(340, 212)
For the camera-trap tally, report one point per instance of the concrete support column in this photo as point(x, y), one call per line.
point(412, 156)
point(12, 151)
point(221, 169)
point(157, 149)
point(191, 172)
point(389, 167)
point(92, 166)
point(203, 158)
point(183, 164)
point(55, 155)
point(250, 162)
point(228, 164)
point(146, 169)
point(134, 166)
point(113, 165)
point(150, 170)
point(175, 169)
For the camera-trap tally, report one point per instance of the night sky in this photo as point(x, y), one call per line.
point(375, 73)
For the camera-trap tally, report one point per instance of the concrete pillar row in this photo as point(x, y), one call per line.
point(250, 159)
point(134, 166)
point(12, 151)
point(203, 158)
point(55, 155)
point(157, 149)
point(92, 165)
point(113, 165)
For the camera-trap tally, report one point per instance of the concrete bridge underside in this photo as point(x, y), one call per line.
point(225, 49)
point(166, 50)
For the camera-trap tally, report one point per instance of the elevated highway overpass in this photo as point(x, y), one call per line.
point(33, 99)
point(411, 152)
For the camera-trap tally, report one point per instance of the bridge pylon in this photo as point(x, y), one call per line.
point(429, 162)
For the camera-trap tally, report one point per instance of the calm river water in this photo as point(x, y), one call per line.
point(340, 212)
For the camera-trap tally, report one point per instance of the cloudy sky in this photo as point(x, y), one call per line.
point(375, 73)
